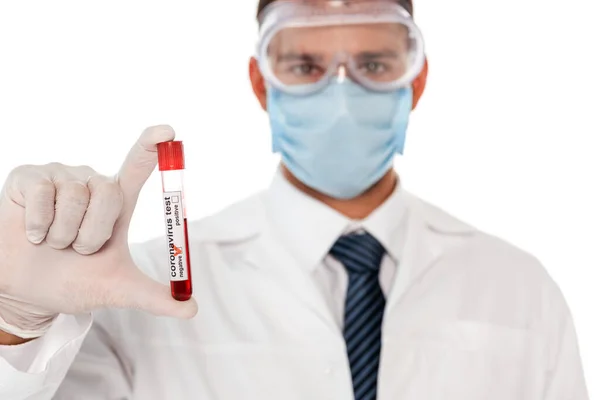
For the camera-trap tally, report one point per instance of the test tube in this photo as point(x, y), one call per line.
point(171, 164)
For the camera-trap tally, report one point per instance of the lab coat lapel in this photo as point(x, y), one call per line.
point(284, 270)
point(430, 234)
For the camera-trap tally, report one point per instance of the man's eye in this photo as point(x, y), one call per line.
point(373, 67)
point(305, 69)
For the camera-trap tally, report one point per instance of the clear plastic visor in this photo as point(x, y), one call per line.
point(382, 53)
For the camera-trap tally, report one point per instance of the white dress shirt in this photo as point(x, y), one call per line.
point(309, 228)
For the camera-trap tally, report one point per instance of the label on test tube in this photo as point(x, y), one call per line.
point(173, 207)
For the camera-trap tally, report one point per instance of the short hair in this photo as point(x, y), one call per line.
point(262, 4)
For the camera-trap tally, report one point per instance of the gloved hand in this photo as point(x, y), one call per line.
point(64, 243)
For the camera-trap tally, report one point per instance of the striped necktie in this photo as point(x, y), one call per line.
point(361, 254)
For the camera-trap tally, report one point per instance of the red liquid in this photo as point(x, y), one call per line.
point(182, 290)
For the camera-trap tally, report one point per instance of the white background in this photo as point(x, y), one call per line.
point(506, 136)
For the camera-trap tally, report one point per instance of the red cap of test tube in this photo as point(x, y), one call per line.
point(170, 156)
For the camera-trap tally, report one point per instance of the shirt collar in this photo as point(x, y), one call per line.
point(308, 228)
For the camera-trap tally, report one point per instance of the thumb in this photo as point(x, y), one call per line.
point(139, 165)
point(135, 290)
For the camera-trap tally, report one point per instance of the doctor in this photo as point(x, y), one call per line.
point(335, 283)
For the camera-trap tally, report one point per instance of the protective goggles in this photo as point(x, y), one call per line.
point(304, 45)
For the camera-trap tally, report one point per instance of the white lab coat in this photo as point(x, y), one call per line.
point(470, 317)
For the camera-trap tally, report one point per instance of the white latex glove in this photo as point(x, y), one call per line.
point(64, 243)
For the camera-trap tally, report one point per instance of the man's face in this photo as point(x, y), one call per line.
point(379, 52)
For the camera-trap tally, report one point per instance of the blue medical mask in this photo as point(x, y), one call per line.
point(341, 140)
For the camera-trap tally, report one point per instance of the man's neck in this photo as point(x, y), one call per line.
point(357, 208)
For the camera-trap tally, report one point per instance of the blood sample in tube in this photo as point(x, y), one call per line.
point(171, 164)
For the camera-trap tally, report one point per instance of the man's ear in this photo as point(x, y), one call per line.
point(419, 84)
point(258, 83)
